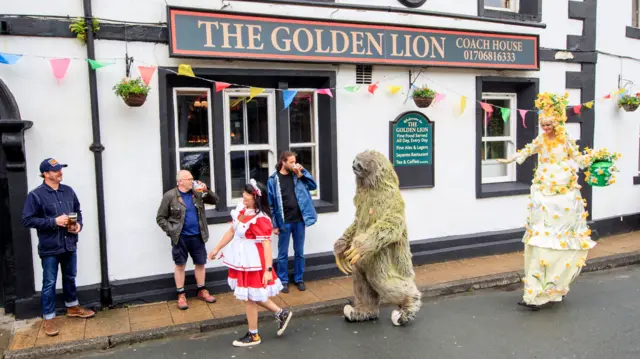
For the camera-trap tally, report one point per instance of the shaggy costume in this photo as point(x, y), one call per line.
point(377, 245)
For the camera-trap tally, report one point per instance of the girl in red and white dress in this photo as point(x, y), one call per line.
point(246, 250)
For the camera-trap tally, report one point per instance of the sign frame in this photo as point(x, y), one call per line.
point(415, 176)
point(175, 52)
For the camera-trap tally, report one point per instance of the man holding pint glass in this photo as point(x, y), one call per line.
point(54, 211)
point(182, 217)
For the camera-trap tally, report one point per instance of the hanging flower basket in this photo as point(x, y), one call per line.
point(629, 107)
point(629, 102)
point(133, 92)
point(423, 97)
point(135, 100)
point(602, 168)
point(423, 102)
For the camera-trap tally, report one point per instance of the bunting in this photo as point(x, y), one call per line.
point(352, 88)
point(523, 114)
point(9, 59)
point(221, 86)
point(394, 89)
point(254, 91)
point(463, 103)
point(287, 97)
point(373, 88)
point(98, 64)
point(146, 73)
point(325, 92)
point(439, 97)
point(185, 70)
point(506, 113)
point(576, 109)
point(59, 67)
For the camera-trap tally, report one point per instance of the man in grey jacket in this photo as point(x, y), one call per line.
point(181, 216)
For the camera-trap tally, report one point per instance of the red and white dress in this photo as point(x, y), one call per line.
point(244, 256)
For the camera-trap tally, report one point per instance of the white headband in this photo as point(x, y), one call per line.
point(256, 190)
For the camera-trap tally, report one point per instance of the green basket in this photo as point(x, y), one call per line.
point(600, 173)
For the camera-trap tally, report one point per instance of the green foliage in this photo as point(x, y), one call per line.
point(79, 27)
point(424, 91)
point(127, 87)
point(629, 100)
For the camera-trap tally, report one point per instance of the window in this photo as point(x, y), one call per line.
point(634, 12)
point(501, 5)
point(193, 135)
point(498, 139)
point(250, 142)
point(303, 129)
point(363, 74)
point(224, 139)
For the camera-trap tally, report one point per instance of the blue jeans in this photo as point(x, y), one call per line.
point(68, 265)
point(295, 230)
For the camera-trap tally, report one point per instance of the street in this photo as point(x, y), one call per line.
point(598, 320)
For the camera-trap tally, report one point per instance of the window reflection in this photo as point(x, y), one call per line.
point(193, 119)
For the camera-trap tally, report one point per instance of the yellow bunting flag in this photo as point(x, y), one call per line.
point(236, 102)
point(255, 91)
point(463, 103)
point(588, 104)
point(619, 91)
point(185, 70)
point(394, 89)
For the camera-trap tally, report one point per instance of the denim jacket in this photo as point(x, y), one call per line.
point(41, 208)
point(302, 187)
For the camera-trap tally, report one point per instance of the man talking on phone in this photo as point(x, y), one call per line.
point(292, 210)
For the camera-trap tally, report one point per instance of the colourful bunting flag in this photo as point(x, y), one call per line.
point(255, 91)
point(287, 97)
point(576, 109)
point(506, 113)
point(185, 70)
point(236, 102)
point(608, 96)
point(9, 59)
point(325, 92)
point(221, 86)
point(373, 87)
point(523, 114)
point(394, 89)
point(486, 107)
point(463, 103)
point(146, 72)
point(59, 67)
point(588, 104)
point(620, 91)
point(98, 64)
point(439, 97)
point(352, 88)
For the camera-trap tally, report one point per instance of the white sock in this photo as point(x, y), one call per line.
point(253, 331)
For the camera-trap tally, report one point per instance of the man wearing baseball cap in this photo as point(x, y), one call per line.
point(54, 211)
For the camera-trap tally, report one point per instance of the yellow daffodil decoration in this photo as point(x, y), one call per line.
point(554, 107)
point(601, 171)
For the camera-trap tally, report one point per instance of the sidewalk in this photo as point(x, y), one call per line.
point(143, 322)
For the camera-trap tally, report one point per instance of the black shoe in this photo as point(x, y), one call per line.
point(248, 340)
point(301, 286)
point(285, 288)
point(283, 320)
point(533, 307)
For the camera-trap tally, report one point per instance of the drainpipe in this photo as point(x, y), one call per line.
point(97, 148)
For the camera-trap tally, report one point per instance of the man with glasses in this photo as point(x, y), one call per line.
point(182, 217)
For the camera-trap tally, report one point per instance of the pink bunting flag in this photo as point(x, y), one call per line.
point(486, 107)
point(221, 86)
point(325, 92)
point(576, 109)
point(439, 97)
point(59, 67)
point(146, 72)
point(523, 114)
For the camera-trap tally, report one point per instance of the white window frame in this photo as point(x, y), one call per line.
point(513, 6)
point(511, 150)
point(209, 148)
point(314, 137)
point(228, 147)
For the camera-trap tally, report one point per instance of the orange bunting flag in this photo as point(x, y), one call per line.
point(576, 109)
point(221, 86)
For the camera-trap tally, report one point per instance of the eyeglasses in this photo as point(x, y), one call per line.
point(187, 179)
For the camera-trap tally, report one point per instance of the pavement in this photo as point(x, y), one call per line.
point(159, 320)
point(598, 320)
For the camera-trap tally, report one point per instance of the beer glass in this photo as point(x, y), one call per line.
point(73, 220)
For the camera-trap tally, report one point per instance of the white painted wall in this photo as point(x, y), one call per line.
point(132, 159)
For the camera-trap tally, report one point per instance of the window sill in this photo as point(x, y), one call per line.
point(633, 32)
point(219, 217)
point(504, 189)
point(509, 16)
point(636, 179)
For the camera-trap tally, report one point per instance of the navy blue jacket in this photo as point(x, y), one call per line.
point(40, 210)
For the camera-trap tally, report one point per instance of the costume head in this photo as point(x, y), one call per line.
point(374, 170)
point(554, 107)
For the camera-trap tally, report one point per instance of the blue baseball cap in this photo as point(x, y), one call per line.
point(50, 164)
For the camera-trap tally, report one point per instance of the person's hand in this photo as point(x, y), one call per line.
point(297, 169)
point(505, 161)
point(268, 276)
point(62, 221)
point(213, 254)
point(75, 229)
point(276, 231)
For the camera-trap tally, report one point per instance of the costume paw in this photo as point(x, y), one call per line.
point(396, 318)
point(348, 312)
point(344, 266)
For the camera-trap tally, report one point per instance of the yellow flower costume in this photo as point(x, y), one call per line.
point(557, 238)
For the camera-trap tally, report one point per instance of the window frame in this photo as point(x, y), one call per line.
point(178, 149)
point(511, 167)
point(529, 11)
point(314, 136)
point(514, 8)
point(228, 147)
point(635, 8)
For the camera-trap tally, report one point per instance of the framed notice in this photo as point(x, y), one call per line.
point(411, 149)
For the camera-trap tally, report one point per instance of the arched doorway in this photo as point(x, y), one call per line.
point(15, 241)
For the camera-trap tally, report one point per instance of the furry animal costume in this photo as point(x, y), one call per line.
point(377, 244)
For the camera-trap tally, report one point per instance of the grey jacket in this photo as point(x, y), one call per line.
point(172, 211)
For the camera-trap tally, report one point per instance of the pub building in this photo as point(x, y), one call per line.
point(235, 82)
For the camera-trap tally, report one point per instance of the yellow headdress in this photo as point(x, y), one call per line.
point(555, 108)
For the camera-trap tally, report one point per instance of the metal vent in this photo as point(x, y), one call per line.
point(363, 74)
